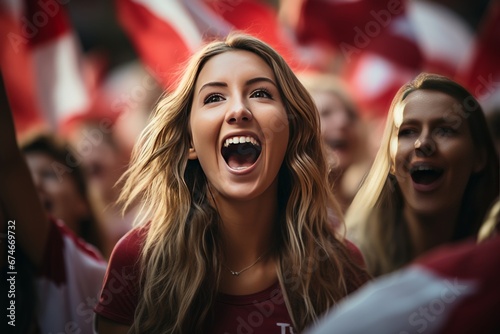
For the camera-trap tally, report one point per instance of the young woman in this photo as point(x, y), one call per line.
point(433, 179)
point(61, 185)
point(103, 166)
point(342, 133)
point(235, 235)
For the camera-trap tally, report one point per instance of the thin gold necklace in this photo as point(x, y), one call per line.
point(237, 273)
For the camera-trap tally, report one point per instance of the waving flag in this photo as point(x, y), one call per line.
point(374, 42)
point(342, 21)
point(166, 33)
point(41, 64)
point(482, 75)
point(17, 71)
point(392, 59)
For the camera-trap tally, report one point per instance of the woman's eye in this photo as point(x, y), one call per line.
point(212, 98)
point(406, 132)
point(445, 131)
point(261, 93)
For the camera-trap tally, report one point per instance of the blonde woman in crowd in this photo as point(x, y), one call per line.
point(433, 179)
point(235, 233)
point(343, 134)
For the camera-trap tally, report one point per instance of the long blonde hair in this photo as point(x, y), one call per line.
point(180, 256)
point(374, 219)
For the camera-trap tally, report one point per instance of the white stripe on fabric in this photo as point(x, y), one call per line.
point(70, 305)
point(414, 300)
point(59, 80)
point(375, 75)
point(175, 14)
point(207, 21)
point(442, 35)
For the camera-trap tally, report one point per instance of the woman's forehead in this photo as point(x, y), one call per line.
point(426, 104)
point(233, 65)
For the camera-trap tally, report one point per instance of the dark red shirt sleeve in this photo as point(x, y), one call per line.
point(356, 255)
point(119, 295)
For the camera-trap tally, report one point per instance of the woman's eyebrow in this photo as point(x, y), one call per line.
point(212, 84)
point(259, 79)
point(223, 84)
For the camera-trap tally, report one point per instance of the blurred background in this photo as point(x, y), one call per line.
point(91, 71)
point(373, 45)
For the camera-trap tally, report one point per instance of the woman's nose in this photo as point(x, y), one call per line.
point(424, 145)
point(239, 112)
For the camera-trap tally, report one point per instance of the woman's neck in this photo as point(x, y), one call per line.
point(247, 232)
point(247, 228)
point(429, 231)
point(247, 224)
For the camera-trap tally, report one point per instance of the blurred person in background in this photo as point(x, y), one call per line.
point(104, 137)
point(433, 179)
point(343, 134)
point(103, 160)
point(61, 184)
point(52, 276)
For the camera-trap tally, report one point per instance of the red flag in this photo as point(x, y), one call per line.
point(40, 44)
point(344, 21)
point(167, 33)
point(375, 43)
point(259, 20)
point(17, 71)
point(482, 75)
point(444, 37)
point(390, 60)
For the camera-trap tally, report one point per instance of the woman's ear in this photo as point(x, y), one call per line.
point(192, 154)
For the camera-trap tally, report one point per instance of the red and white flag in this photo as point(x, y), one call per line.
point(374, 42)
point(390, 60)
point(166, 33)
point(41, 64)
point(482, 73)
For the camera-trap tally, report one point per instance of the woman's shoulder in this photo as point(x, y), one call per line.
point(128, 248)
point(358, 274)
point(355, 253)
point(123, 267)
point(120, 291)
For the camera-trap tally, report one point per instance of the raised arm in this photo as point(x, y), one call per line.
point(17, 191)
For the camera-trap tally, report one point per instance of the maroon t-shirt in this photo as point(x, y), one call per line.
point(261, 312)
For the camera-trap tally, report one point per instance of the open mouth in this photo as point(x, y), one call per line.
point(241, 152)
point(425, 174)
point(337, 144)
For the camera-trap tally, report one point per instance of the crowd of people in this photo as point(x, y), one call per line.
point(254, 200)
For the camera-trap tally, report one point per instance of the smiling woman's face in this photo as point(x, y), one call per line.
point(57, 190)
point(239, 125)
point(338, 127)
point(434, 156)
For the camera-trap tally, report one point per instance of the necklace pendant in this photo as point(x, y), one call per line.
point(237, 273)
